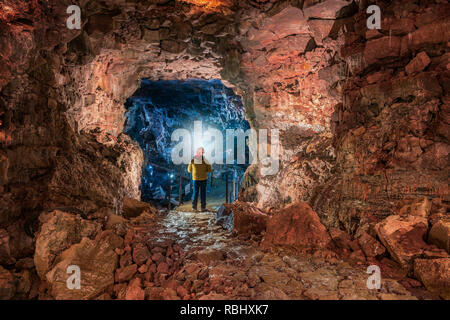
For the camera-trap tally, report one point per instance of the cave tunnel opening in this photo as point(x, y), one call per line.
point(158, 109)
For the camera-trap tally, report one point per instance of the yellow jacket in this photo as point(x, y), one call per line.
point(199, 171)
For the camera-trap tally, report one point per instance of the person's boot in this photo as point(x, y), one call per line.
point(194, 209)
point(203, 210)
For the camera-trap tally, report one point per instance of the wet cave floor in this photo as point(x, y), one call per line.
point(214, 263)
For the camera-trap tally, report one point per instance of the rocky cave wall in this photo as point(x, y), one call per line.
point(359, 111)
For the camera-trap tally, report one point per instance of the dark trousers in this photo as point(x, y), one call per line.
point(199, 187)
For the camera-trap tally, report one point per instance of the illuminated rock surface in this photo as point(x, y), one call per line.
point(364, 132)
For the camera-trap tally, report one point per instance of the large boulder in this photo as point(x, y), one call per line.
point(58, 232)
point(403, 237)
point(440, 234)
point(296, 225)
point(249, 219)
point(97, 262)
point(370, 246)
point(329, 9)
point(435, 275)
point(132, 208)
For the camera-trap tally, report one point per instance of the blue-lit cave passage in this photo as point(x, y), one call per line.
point(158, 108)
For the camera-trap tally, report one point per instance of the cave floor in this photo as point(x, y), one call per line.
point(239, 269)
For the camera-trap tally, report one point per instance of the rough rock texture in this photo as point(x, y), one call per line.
point(247, 219)
point(58, 232)
point(296, 225)
point(435, 275)
point(440, 234)
point(403, 237)
point(97, 261)
point(363, 115)
point(7, 284)
point(370, 246)
point(132, 208)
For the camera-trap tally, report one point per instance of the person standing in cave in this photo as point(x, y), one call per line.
point(199, 167)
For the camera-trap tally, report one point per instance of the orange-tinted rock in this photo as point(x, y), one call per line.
point(140, 253)
point(434, 274)
point(329, 9)
point(248, 219)
point(125, 273)
point(418, 64)
point(133, 208)
point(58, 232)
point(296, 225)
point(163, 267)
point(403, 237)
point(418, 207)
point(440, 234)
point(97, 262)
point(370, 246)
point(134, 290)
point(382, 48)
point(341, 238)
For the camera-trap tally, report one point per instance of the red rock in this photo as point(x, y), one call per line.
point(428, 34)
point(370, 246)
point(329, 9)
point(157, 257)
point(248, 219)
point(109, 236)
point(154, 293)
point(169, 294)
point(25, 263)
point(435, 275)
point(418, 64)
point(357, 257)
point(163, 267)
point(341, 238)
point(143, 268)
point(5, 252)
point(7, 284)
point(440, 234)
point(403, 237)
point(208, 256)
point(58, 232)
point(97, 262)
point(140, 253)
point(152, 267)
point(417, 207)
point(134, 290)
point(182, 292)
point(381, 48)
point(297, 225)
point(125, 260)
point(20, 243)
point(133, 208)
point(321, 29)
point(129, 236)
point(126, 273)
